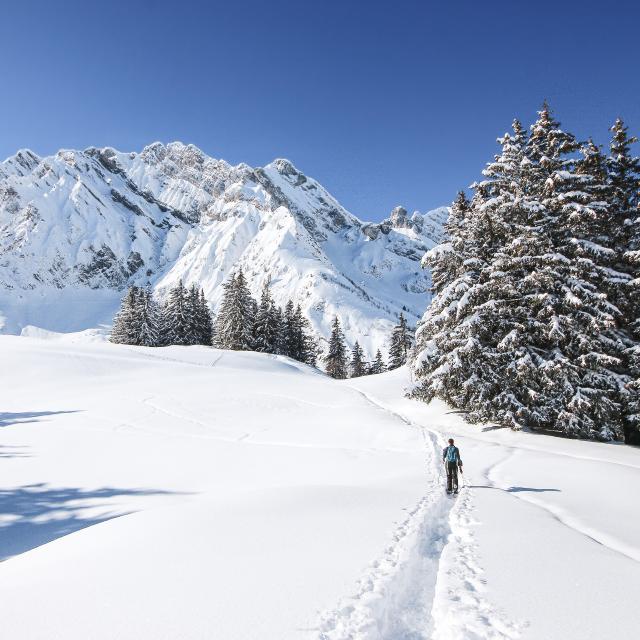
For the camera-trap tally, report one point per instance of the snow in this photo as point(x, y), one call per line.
point(76, 228)
point(545, 536)
point(187, 492)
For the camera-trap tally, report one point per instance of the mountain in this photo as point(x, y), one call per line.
point(78, 227)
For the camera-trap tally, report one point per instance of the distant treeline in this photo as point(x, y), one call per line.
point(245, 324)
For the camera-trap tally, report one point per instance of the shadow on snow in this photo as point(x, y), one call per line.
point(25, 417)
point(511, 489)
point(35, 514)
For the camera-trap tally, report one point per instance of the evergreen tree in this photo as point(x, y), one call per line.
point(450, 262)
point(462, 340)
point(288, 339)
point(521, 332)
point(234, 322)
point(306, 343)
point(623, 173)
point(336, 359)
point(357, 365)
point(176, 317)
point(378, 365)
point(280, 336)
point(192, 310)
point(148, 319)
point(125, 329)
point(205, 322)
point(400, 343)
point(265, 329)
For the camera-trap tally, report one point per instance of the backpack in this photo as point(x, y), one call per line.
point(452, 453)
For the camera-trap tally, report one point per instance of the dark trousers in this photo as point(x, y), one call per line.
point(452, 476)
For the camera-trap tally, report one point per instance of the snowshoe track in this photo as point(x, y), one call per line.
point(394, 597)
point(428, 584)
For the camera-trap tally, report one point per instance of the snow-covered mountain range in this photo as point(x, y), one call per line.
point(76, 228)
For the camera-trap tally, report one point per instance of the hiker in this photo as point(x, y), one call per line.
point(452, 461)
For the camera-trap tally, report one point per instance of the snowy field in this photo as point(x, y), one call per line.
point(193, 493)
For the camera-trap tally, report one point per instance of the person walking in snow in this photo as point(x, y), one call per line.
point(453, 462)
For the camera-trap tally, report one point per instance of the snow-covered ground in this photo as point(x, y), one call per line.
point(194, 493)
point(545, 535)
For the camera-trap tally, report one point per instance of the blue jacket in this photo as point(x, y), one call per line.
point(455, 454)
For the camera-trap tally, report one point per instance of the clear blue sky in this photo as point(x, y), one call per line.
point(384, 102)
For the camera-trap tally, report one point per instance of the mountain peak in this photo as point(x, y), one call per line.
point(285, 167)
point(77, 228)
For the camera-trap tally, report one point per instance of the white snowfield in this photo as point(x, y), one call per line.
point(191, 493)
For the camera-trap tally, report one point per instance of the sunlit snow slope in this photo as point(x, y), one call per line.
point(188, 492)
point(76, 228)
point(155, 494)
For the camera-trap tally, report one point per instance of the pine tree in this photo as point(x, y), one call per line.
point(357, 365)
point(306, 344)
point(336, 360)
point(280, 335)
point(205, 322)
point(400, 343)
point(522, 332)
point(234, 322)
point(463, 336)
point(623, 179)
point(288, 341)
point(176, 317)
point(448, 258)
point(192, 310)
point(584, 358)
point(378, 365)
point(149, 319)
point(265, 330)
point(125, 330)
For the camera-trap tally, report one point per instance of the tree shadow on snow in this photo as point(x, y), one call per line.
point(35, 514)
point(13, 451)
point(8, 419)
point(512, 489)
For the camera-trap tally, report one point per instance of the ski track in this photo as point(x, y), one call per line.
point(561, 516)
point(428, 583)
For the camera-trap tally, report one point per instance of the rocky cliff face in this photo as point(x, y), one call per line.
point(79, 227)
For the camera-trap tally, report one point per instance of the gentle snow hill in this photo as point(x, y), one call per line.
point(78, 227)
point(188, 492)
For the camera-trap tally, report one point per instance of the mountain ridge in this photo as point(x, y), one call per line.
point(79, 226)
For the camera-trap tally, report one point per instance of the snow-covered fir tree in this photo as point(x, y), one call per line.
point(176, 317)
point(280, 339)
point(335, 359)
point(136, 322)
point(378, 365)
point(199, 317)
point(357, 366)
point(623, 173)
point(205, 322)
point(291, 332)
point(400, 343)
point(308, 343)
point(149, 319)
point(520, 330)
point(125, 328)
point(266, 326)
point(234, 322)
